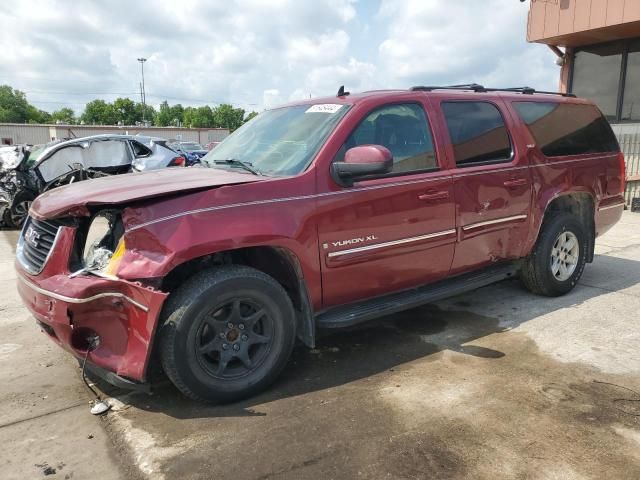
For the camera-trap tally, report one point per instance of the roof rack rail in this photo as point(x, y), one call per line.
point(530, 91)
point(467, 86)
point(481, 89)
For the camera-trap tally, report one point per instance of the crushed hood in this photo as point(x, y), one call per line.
point(119, 189)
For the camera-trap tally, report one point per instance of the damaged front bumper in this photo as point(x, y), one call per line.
point(73, 311)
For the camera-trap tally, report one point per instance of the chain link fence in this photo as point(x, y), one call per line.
point(629, 138)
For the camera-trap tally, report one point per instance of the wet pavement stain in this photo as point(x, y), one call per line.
point(49, 470)
point(430, 393)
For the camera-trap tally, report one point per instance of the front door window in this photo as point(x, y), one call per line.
point(404, 130)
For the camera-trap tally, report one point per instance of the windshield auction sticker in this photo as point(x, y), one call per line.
point(324, 108)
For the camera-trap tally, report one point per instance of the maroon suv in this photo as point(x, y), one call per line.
point(318, 214)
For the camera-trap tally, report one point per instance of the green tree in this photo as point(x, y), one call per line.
point(14, 107)
point(38, 116)
point(188, 116)
point(99, 112)
point(249, 116)
point(126, 111)
point(228, 117)
point(64, 115)
point(169, 115)
point(163, 115)
point(201, 117)
point(149, 113)
point(177, 114)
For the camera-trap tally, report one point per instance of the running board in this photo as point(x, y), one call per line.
point(352, 314)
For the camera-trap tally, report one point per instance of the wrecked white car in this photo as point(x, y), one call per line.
point(27, 172)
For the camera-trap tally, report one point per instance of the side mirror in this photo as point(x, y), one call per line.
point(361, 161)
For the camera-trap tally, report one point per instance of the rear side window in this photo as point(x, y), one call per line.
point(477, 132)
point(140, 150)
point(567, 128)
point(404, 130)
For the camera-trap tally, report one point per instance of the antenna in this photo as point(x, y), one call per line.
point(341, 92)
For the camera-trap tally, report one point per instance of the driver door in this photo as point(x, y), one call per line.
point(395, 231)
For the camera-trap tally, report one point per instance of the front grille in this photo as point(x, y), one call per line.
point(36, 242)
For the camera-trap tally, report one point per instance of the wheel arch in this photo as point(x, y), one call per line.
point(578, 203)
point(278, 262)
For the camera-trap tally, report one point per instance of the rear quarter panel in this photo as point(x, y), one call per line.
point(596, 174)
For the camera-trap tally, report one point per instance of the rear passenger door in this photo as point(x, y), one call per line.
point(492, 184)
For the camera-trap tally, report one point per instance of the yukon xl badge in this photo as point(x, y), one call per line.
point(32, 237)
point(351, 241)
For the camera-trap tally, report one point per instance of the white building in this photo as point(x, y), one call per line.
point(33, 134)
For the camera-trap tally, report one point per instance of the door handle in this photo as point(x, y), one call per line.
point(429, 196)
point(518, 182)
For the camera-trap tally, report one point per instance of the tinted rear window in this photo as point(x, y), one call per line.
point(567, 128)
point(477, 132)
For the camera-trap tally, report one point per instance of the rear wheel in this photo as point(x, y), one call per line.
point(227, 334)
point(557, 261)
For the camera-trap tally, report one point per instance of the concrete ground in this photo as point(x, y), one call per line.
point(497, 383)
point(45, 425)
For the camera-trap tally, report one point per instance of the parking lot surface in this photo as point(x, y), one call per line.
point(45, 425)
point(497, 383)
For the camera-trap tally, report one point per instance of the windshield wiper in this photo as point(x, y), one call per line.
point(238, 163)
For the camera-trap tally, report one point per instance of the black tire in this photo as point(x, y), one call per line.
point(196, 326)
point(537, 274)
point(16, 213)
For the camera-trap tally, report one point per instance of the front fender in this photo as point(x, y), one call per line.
point(155, 249)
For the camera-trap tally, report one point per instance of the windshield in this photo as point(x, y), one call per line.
point(190, 147)
point(34, 154)
point(279, 142)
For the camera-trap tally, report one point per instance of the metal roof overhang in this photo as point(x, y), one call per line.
point(598, 35)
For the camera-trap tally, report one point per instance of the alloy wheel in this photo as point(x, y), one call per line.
point(234, 339)
point(564, 256)
point(19, 212)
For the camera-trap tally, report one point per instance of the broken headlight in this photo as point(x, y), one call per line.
point(104, 245)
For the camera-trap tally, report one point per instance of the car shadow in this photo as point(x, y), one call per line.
point(347, 355)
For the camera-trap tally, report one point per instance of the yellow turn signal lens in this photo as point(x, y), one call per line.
point(114, 263)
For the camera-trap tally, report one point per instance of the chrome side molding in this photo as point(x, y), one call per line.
point(391, 243)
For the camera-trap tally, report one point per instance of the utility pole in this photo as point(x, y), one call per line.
point(143, 94)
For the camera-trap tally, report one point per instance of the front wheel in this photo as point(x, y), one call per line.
point(227, 333)
point(16, 213)
point(557, 261)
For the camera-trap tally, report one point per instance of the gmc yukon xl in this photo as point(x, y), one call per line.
point(318, 214)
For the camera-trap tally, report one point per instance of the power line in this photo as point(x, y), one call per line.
point(161, 96)
point(78, 93)
point(218, 102)
point(59, 103)
point(157, 96)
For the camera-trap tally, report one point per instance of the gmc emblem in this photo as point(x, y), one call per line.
point(32, 237)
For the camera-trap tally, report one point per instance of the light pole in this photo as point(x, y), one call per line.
point(143, 95)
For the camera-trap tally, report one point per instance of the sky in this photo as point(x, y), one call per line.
point(256, 54)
